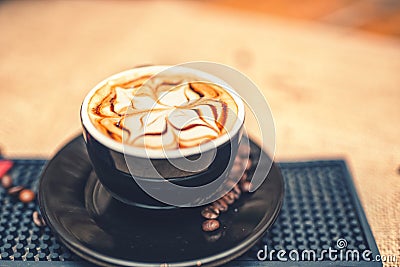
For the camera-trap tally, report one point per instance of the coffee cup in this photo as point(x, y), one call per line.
point(152, 126)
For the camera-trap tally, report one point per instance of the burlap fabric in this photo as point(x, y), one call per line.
point(333, 91)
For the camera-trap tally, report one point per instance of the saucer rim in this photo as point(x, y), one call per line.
point(214, 260)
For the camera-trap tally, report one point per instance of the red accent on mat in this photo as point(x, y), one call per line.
point(5, 166)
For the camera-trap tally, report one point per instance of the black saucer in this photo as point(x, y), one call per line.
point(107, 232)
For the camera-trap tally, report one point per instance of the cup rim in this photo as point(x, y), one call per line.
point(162, 153)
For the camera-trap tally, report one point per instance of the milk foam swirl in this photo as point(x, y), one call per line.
point(162, 111)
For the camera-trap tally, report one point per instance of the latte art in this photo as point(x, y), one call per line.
point(163, 111)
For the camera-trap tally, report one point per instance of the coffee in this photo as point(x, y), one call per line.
point(165, 111)
point(154, 132)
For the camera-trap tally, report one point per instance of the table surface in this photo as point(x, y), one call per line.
point(333, 91)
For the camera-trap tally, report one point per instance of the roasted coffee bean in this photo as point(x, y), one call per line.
point(245, 186)
point(14, 191)
point(233, 176)
point(238, 161)
point(229, 198)
point(244, 151)
point(221, 204)
point(244, 177)
point(236, 192)
point(217, 206)
point(231, 195)
point(236, 196)
point(237, 169)
point(214, 209)
point(38, 219)
point(229, 183)
point(6, 181)
point(236, 189)
point(249, 164)
point(208, 213)
point(210, 225)
point(26, 196)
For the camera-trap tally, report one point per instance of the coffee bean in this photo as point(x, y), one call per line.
point(229, 198)
point(244, 151)
point(236, 192)
point(6, 181)
point(214, 209)
point(208, 213)
point(221, 204)
point(238, 161)
point(210, 225)
point(245, 186)
point(26, 196)
point(237, 169)
point(14, 191)
point(236, 196)
point(231, 195)
point(230, 183)
point(244, 177)
point(38, 219)
point(249, 164)
point(236, 189)
point(233, 176)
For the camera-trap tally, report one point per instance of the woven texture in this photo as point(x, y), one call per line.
point(319, 209)
point(333, 91)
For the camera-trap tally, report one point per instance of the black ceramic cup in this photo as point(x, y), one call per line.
point(125, 171)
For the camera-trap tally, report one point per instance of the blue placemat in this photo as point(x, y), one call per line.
point(321, 223)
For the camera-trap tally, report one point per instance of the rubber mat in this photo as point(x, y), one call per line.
point(321, 214)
